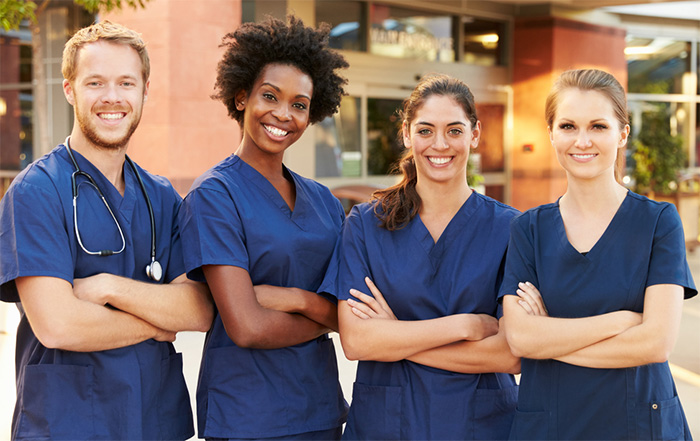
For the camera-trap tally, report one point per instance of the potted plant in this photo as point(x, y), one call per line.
point(657, 162)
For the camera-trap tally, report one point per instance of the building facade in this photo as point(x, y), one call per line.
point(509, 52)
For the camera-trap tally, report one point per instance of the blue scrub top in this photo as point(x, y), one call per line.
point(135, 392)
point(421, 280)
point(642, 246)
point(234, 216)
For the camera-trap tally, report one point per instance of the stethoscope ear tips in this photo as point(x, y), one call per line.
point(154, 271)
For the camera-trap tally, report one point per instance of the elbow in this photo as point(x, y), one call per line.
point(246, 335)
point(349, 348)
point(660, 352)
point(204, 320)
point(55, 336)
point(518, 345)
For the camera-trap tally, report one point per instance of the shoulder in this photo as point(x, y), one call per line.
point(318, 193)
point(219, 177)
point(497, 209)
point(662, 215)
point(48, 174)
point(534, 218)
point(157, 184)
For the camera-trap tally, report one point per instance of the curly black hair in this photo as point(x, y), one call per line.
point(255, 45)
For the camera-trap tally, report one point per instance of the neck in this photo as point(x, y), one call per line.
point(595, 195)
point(267, 165)
point(110, 162)
point(442, 198)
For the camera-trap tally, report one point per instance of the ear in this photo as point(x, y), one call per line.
point(240, 100)
point(405, 131)
point(476, 135)
point(624, 136)
point(551, 138)
point(68, 92)
point(145, 89)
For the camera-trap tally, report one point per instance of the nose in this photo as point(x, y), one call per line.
point(440, 142)
point(583, 140)
point(281, 112)
point(111, 94)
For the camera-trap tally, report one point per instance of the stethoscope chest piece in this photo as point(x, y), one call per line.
point(154, 271)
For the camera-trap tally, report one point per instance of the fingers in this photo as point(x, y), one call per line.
point(359, 309)
point(379, 297)
point(530, 299)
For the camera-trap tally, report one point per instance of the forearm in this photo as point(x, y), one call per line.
point(393, 340)
point(491, 354)
point(299, 301)
point(543, 337)
point(649, 342)
point(181, 305)
point(270, 329)
point(62, 321)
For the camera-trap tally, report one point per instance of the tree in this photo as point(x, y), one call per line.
point(12, 12)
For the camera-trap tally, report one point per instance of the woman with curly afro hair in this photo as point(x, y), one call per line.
point(261, 236)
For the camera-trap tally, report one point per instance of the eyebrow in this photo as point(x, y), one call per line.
point(455, 123)
point(280, 90)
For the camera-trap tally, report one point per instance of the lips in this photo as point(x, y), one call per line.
point(111, 116)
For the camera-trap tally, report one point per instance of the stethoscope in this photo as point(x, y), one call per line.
point(153, 270)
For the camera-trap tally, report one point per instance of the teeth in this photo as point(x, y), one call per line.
point(584, 156)
point(275, 131)
point(111, 116)
point(439, 159)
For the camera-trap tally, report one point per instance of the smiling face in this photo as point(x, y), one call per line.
point(107, 94)
point(276, 112)
point(441, 136)
point(586, 134)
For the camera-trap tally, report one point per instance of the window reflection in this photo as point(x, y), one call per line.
point(382, 126)
point(338, 141)
point(347, 23)
point(657, 65)
point(483, 42)
point(404, 33)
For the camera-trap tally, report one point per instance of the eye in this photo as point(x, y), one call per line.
point(300, 106)
point(455, 132)
point(128, 84)
point(424, 132)
point(566, 126)
point(600, 126)
point(269, 96)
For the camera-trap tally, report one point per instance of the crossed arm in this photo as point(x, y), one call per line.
point(614, 340)
point(267, 317)
point(74, 318)
point(468, 343)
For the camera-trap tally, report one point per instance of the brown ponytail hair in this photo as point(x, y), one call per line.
point(397, 205)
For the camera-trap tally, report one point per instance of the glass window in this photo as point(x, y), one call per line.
point(382, 127)
point(15, 99)
point(347, 23)
point(404, 33)
point(657, 65)
point(338, 142)
point(657, 150)
point(483, 42)
point(490, 149)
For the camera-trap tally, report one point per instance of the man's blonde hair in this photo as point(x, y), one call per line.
point(107, 31)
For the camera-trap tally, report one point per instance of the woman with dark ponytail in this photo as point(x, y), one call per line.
point(416, 272)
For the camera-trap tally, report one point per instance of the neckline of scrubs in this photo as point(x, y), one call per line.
point(123, 206)
point(300, 205)
point(435, 249)
point(616, 221)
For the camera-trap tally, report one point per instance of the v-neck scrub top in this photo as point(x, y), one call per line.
point(642, 246)
point(422, 279)
point(234, 216)
point(134, 392)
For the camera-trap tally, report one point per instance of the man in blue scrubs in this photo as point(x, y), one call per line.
point(95, 358)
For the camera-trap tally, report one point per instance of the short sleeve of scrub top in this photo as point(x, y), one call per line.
point(215, 234)
point(31, 220)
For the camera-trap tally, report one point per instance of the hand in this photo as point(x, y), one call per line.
point(481, 326)
point(163, 335)
point(94, 289)
point(531, 300)
point(368, 306)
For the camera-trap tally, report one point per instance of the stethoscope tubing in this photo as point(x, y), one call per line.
point(150, 269)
